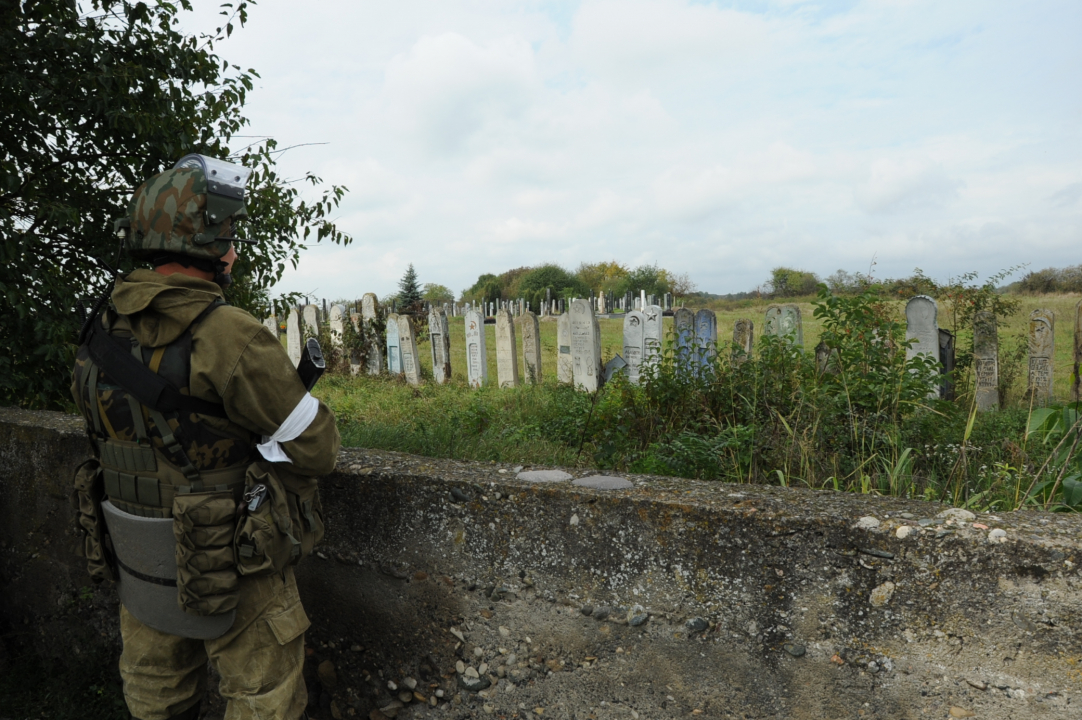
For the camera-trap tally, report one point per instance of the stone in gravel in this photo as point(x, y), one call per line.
point(544, 476)
point(391, 709)
point(410, 683)
point(925, 522)
point(1024, 622)
point(356, 648)
point(473, 684)
point(377, 715)
point(795, 649)
point(882, 594)
point(405, 696)
point(602, 612)
point(637, 615)
point(977, 684)
point(957, 514)
point(586, 610)
point(905, 531)
point(471, 673)
point(327, 676)
point(959, 712)
point(943, 533)
point(504, 631)
point(482, 668)
point(997, 536)
point(459, 496)
point(604, 482)
point(907, 516)
point(460, 667)
point(392, 685)
point(458, 634)
point(696, 624)
point(867, 523)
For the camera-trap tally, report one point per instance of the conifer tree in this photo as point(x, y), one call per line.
point(410, 296)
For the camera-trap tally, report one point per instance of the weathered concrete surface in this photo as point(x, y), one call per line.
point(733, 581)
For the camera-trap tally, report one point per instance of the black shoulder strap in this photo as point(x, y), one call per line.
point(114, 357)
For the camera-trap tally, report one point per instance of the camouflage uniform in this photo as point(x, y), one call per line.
point(238, 363)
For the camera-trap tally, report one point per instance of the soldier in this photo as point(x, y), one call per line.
point(202, 492)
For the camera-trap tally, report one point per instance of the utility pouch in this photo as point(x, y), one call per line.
point(86, 497)
point(280, 521)
point(203, 524)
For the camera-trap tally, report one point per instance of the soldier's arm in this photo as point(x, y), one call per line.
point(261, 390)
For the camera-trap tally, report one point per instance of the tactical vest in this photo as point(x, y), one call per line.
point(149, 456)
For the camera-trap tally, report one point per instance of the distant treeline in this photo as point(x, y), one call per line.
point(612, 278)
point(1050, 280)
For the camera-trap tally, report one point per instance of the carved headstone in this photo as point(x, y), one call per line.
point(946, 364)
point(407, 341)
point(585, 346)
point(271, 324)
point(354, 353)
point(743, 340)
point(784, 321)
point(565, 366)
point(683, 323)
point(440, 344)
point(706, 337)
point(337, 324)
point(634, 343)
point(653, 334)
point(986, 360)
point(311, 321)
point(1042, 347)
point(531, 348)
point(476, 354)
point(370, 317)
point(921, 325)
point(394, 345)
point(294, 336)
point(506, 350)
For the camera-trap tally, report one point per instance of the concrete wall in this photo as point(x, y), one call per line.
point(743, 601)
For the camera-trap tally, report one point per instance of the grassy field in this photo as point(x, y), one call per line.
point(1010, 331)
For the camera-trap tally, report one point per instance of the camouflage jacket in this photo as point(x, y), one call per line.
point(235, 361)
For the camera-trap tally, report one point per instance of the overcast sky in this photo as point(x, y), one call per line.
point(717, 139)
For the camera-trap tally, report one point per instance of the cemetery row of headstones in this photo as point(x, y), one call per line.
point(578, 340)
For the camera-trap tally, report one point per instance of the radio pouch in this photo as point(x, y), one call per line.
point(281, 520)
point(87, 494)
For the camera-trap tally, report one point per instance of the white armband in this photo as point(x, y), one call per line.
point(297, 422)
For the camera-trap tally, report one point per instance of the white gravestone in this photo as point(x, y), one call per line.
point(585, 346)
point(271, 324)
point(337, 324)
point(476, 354)
point(311, 321)
point(1042, 347)
point(370, 316)
point(784, 321)
point(354, 353)
point(986, 360)
point(653, 334)
point(531, 348)
point(394, 346)
point(706, 337)
point(440, 343)
point(922, 325)
point(506, 350)
point(683, 323)
point(743, 340)
point(634, 347)
point(294, 336)
point(407, 342)
point(565, 367)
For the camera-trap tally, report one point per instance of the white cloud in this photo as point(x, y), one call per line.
point(906, 186)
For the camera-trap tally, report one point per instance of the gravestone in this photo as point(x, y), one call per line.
point(1076, 382)
point(311, 321)
point(653, 334)
point(407, 341)
point(743, 340)
point(634, 343)
point(585, 346)
point(986, 360)
point(601, 306)
point(683, 323)
point(784, 321)
point(354, 353)
point(946, 360)
point(394, 346)
point(294, 336)
point(531, 348)
point(476, 354)
point(337, 324)
point(370, 317)
point(1042, 346)
point(440, 345)
point(271, 324)
point(506, 350)
point(706, 337)
point(565, 366)
point(921, 324)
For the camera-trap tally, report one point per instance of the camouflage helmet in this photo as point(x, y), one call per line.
point(188, 210)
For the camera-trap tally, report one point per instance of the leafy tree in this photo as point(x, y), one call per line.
point(436, 293)
point(787, 282)
point(93, 105)
point(651, 278)
point(554, 277)
point(410, 296)
point(603, 276)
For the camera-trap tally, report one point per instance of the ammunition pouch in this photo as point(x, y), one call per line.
point(280, 522)
point(203, 526)
point(87, 496)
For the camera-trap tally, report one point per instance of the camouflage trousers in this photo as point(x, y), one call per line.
point(260, 659)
